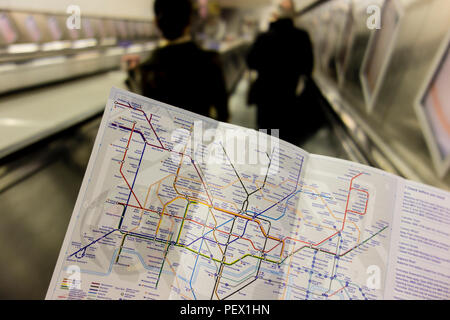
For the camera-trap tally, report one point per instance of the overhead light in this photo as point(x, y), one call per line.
point(56, 45)
point(23, 48)
point(84, 43)
point(14, 122)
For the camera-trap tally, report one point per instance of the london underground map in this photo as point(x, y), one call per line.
point(178, 206)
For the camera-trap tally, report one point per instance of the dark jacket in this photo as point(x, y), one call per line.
point(281, 56)
point(185, 76)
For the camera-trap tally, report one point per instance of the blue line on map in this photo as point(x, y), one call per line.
point(187, 245)
point(132, 186)
point(90, 244)
point(289, 195)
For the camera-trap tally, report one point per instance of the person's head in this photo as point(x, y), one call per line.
point(286, 9)
point(173, 17)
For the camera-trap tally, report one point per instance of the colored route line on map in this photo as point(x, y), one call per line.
point(248, 219)
point(193, 162)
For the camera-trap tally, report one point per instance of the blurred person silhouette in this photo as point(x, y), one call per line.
point(281, 56)
point(179, 72)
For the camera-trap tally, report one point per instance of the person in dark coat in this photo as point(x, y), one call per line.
point(179, 72)
point(281, 56)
